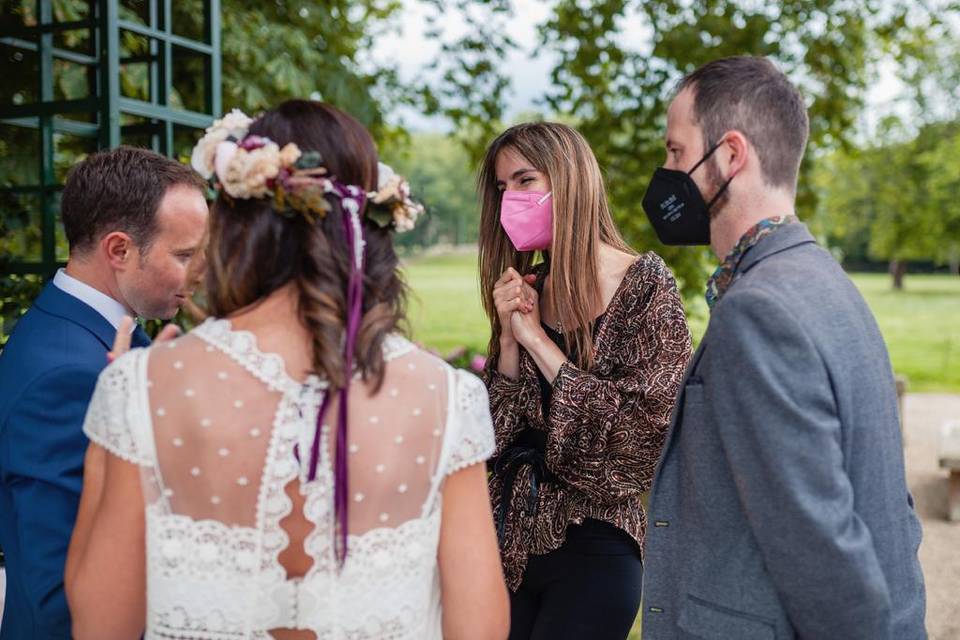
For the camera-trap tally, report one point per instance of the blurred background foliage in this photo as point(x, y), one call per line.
point(877, 195)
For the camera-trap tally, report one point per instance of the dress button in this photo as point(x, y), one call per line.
point(661, 523)
point(655, 610)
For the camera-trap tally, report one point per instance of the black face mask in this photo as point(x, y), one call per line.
point(675, 207)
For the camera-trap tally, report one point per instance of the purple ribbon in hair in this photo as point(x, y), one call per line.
point(352, 200)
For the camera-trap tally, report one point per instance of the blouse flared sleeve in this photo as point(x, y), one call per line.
point(606, 433)
point(505, 405)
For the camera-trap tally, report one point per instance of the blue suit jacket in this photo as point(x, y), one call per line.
point(48, 371)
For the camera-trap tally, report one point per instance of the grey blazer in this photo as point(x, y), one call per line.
point(780, 508)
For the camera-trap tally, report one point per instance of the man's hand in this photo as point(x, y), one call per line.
point(121, 343)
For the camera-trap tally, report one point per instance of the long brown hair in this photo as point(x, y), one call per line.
point(254, 250)
point(581, 222)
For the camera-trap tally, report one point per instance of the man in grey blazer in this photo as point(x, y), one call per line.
point(779, 508)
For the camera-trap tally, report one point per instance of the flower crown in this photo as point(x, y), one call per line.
point(247, 166)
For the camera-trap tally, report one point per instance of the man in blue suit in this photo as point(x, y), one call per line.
point(134, 220)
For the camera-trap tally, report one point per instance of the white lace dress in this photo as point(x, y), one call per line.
point(222, 432)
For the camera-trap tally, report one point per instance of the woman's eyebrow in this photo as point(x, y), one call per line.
point(520, 172)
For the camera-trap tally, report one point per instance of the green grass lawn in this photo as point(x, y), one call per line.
point(921, 324)
point(444, 307)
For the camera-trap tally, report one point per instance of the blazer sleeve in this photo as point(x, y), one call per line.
point(606, 433)
point(773, 404)
point(43, 472)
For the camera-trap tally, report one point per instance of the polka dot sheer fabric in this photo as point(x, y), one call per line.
point(222, 434)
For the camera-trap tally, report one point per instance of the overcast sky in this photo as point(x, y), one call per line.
point(529, 68)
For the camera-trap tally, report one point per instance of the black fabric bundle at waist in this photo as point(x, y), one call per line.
point(591, 537)
point(527, 450)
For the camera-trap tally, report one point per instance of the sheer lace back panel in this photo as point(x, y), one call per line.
point(224, 435)
point(212, 424)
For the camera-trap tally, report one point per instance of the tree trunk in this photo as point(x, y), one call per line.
point(898, 269)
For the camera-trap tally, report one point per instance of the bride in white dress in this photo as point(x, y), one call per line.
point(250, 488)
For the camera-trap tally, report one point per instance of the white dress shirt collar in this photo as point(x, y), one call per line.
point(103, 304)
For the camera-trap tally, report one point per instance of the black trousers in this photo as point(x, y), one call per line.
point(588, 588)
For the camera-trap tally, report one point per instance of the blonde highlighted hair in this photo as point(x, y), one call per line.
point(581, 222)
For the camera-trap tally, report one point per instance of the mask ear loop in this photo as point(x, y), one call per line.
point(719, 193)
point(544, 198)
point(707, 155)
point(725, 184)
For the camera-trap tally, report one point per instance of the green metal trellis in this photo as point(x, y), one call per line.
point(107, 115)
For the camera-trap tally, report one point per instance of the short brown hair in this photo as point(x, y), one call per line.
point(750, 95)
point(119, 190)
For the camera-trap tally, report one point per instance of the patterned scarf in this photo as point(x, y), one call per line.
point(722, 278)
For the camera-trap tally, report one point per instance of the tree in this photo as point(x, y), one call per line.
point(620, 92)
point(616, 92)
point(441, 177)
point(471, 91)
point(942, 163)
point(898, 198)
point(271, 51)
point(901, 224)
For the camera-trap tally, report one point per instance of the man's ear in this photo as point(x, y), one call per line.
point(119, 249)
point(732, 154)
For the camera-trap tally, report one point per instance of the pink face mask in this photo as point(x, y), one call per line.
point(527, 217)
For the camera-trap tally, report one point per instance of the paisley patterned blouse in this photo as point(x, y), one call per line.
point(599, 448)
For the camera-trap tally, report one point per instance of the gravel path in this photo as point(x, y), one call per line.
point(940, 551)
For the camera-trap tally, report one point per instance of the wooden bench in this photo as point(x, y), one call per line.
point(950, 460)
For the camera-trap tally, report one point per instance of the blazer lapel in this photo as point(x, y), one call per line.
point(787, 237)
point(57, 302)
point(139, 338)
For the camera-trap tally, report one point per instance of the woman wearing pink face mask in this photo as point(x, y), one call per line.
point(588, 348)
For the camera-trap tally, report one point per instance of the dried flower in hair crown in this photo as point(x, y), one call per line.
point(245, 166)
